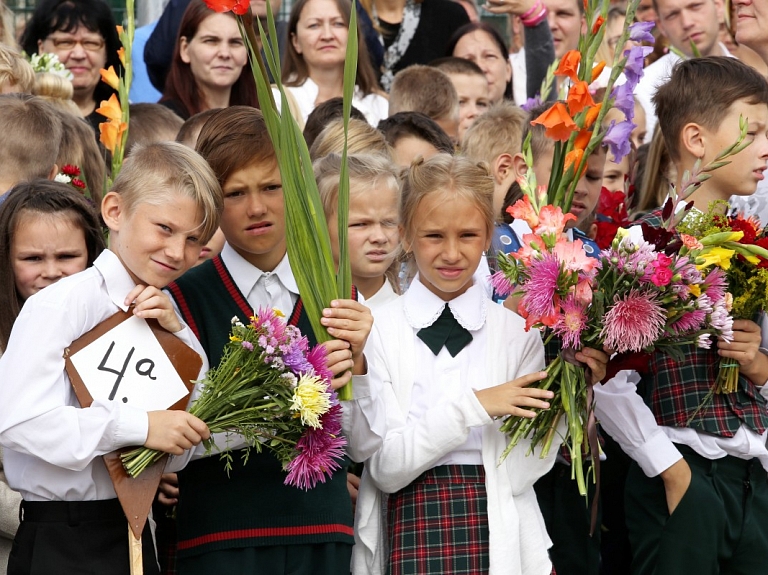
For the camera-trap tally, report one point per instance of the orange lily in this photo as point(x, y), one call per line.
point(111, 108)
point(109, 77)
point(558, 123)
point(569, 65)
point(598, 69)
point(579, 97)
point(111, 133)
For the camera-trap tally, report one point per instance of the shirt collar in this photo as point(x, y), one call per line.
point(246, 274)
point(422, 307)
point(117, 280)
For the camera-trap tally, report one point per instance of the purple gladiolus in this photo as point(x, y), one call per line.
point(641, 32)
point(618, 139)
point(633, 69)
point(624, 100)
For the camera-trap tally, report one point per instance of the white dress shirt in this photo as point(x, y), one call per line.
point(52, 446)
point(382, 297)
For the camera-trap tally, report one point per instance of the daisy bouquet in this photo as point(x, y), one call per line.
point(744, 261)
point(275, 392)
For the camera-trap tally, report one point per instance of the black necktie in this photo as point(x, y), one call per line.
point(446, 331)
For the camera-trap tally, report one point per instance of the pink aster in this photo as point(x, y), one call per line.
point(689, 322)
point(501, 285)
point(541, 289)
point(571, 322)
point(715, 284)
point(633, 322)
point(319, 452)
point(317, 358)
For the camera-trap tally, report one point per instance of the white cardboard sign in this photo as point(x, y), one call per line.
point(128, 364)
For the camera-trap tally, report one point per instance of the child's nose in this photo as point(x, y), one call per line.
point(52, 270)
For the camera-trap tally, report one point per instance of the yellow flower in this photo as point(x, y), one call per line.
point(278, 313)
point(111, 108)
point(109, 77)
point(112, 134)
point(715, 256)
point(695, 290)
point(235, 338)
point(311, 399)
point(121, 55)
point(719, 238)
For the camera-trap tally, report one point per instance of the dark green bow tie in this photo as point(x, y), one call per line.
point(446, 331)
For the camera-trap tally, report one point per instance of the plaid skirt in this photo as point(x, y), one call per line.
point(439, 523)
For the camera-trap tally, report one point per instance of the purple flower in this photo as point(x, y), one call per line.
point(501, 284)
point(531, 103)
point(317, 357)
point(541, 288)
point(624, 100)
point(296, 362)
point(633, 69)
point(247, 345)
point(633, 322)
point(618, 139)
point(641, 32)
point(571, 322)
point(319, 452)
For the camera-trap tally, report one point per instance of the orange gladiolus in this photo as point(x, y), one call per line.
point(597, 70)
point(569, 65)
point(596, 26)
point(109, 77)
point(111, 108)
point(579, 97)
point(582, 140)
point(119, 30)
point(592, 115)
point(111, 133)
point(558, 123)
point(573, 158)
point(239, 7)
point(121, 55)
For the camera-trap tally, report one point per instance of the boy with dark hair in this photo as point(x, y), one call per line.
point(412, 134)
point(323, 114)
point(697, 492)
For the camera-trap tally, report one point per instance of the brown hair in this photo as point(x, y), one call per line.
point(323, 114)
point(180, 85)
point(190, 129)
point(416, 125)
point(658, 172)
point(295, 71)
point(454, 65)
point(151, 123)
point(153, 169)
point(79, 148)
point(701, 91)
point(48, 198)
point(456, 176)
point(31, 135)
point(362, 138)
point(234, 138)
point(498, 131)
point(426, 90)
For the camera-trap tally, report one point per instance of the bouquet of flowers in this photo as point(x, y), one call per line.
point(743, 258)
point(275, 392)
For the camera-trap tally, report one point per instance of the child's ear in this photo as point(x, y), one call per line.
point(53, 172)
point(111, 209)
point(693, 140)
point(502, 166)
point(519, 166)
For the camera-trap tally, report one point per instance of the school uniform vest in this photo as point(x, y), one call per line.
point(251, 507)
point(680, 393)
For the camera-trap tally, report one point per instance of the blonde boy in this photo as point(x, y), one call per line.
point(164, 205)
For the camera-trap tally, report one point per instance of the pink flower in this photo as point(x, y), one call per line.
point(633, 322)
point(583, 292)
point(247, 345)
point(541, 291)
point(661, 276)
point(317, 359)
point(552, 220)
point(319, 452)
point(523, 210)
point(691, 242)
point(532, 247)
point(689, 322)
point(715, 284)
point(501, 285)
point(572, 255)
point(571, 323)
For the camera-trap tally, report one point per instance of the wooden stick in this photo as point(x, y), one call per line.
point(135, 553)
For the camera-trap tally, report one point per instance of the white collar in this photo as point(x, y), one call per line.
point(422, 307)
point(246, 274)
point(117, 280)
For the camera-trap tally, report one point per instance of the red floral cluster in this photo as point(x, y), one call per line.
point(611, 215)
point(753, 235)
point(73, 172)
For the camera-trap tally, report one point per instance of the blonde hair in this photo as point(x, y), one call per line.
point(57, 91)
point(424, 89)
point(152, 169)
point(454, 176)
point(498, 131)
point(79, 148)
point(658, 173)
point(15, 70)
point(362, 139)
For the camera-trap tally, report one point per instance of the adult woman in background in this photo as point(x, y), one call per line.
point(209, 64)
point(83, 35)
point(313, 70)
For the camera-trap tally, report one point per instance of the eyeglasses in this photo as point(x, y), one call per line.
point(65, 44)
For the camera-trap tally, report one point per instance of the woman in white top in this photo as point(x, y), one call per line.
point(313, 69)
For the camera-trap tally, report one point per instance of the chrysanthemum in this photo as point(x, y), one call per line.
point(311, 400)
point(571, 322)
point(296, 361)
point(722, 321)
point(318, 358)
point(501, 284)
point(633, 322)
point(319, 452)
point(541, 288)
point(715, 284)
point(705, 342)
point(689, 322)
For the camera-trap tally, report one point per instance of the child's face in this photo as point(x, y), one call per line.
point(473, 98)
point(741, 176)
point(254, 214)
point(156, 243)
point(44, 249)
point(614, 174)
point(587, 192)
point(372, 231)
point(640, 131)
point(448, 238)
point(212, 248)
point(406, 149)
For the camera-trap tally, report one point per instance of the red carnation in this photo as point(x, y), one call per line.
point(70, 170)
point(742, 225)
point(78, 183)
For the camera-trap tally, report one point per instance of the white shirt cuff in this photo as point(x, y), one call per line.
point(132, 426)
point(656, 455)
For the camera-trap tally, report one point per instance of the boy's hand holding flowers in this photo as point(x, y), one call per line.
point(597, 362)
point(745, 348)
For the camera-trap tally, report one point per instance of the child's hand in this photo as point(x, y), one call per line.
point(339, 360)
point(596, 360)
point(168, 491)
point(350, 321)
point(174, 431)
point(508, 398)
point(151, 302)
point(745, 348)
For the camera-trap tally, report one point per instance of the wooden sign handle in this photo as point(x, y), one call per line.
point(135, 553)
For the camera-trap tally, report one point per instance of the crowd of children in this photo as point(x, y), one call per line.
point(196, 233)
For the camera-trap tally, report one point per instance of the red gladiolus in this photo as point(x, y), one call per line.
point(239, 7)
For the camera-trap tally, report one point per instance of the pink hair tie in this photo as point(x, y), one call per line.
point(535, 20)
point(531, 11)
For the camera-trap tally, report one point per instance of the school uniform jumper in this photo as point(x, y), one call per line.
point(250, 522)
point(71, 519)
point(441, 446)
